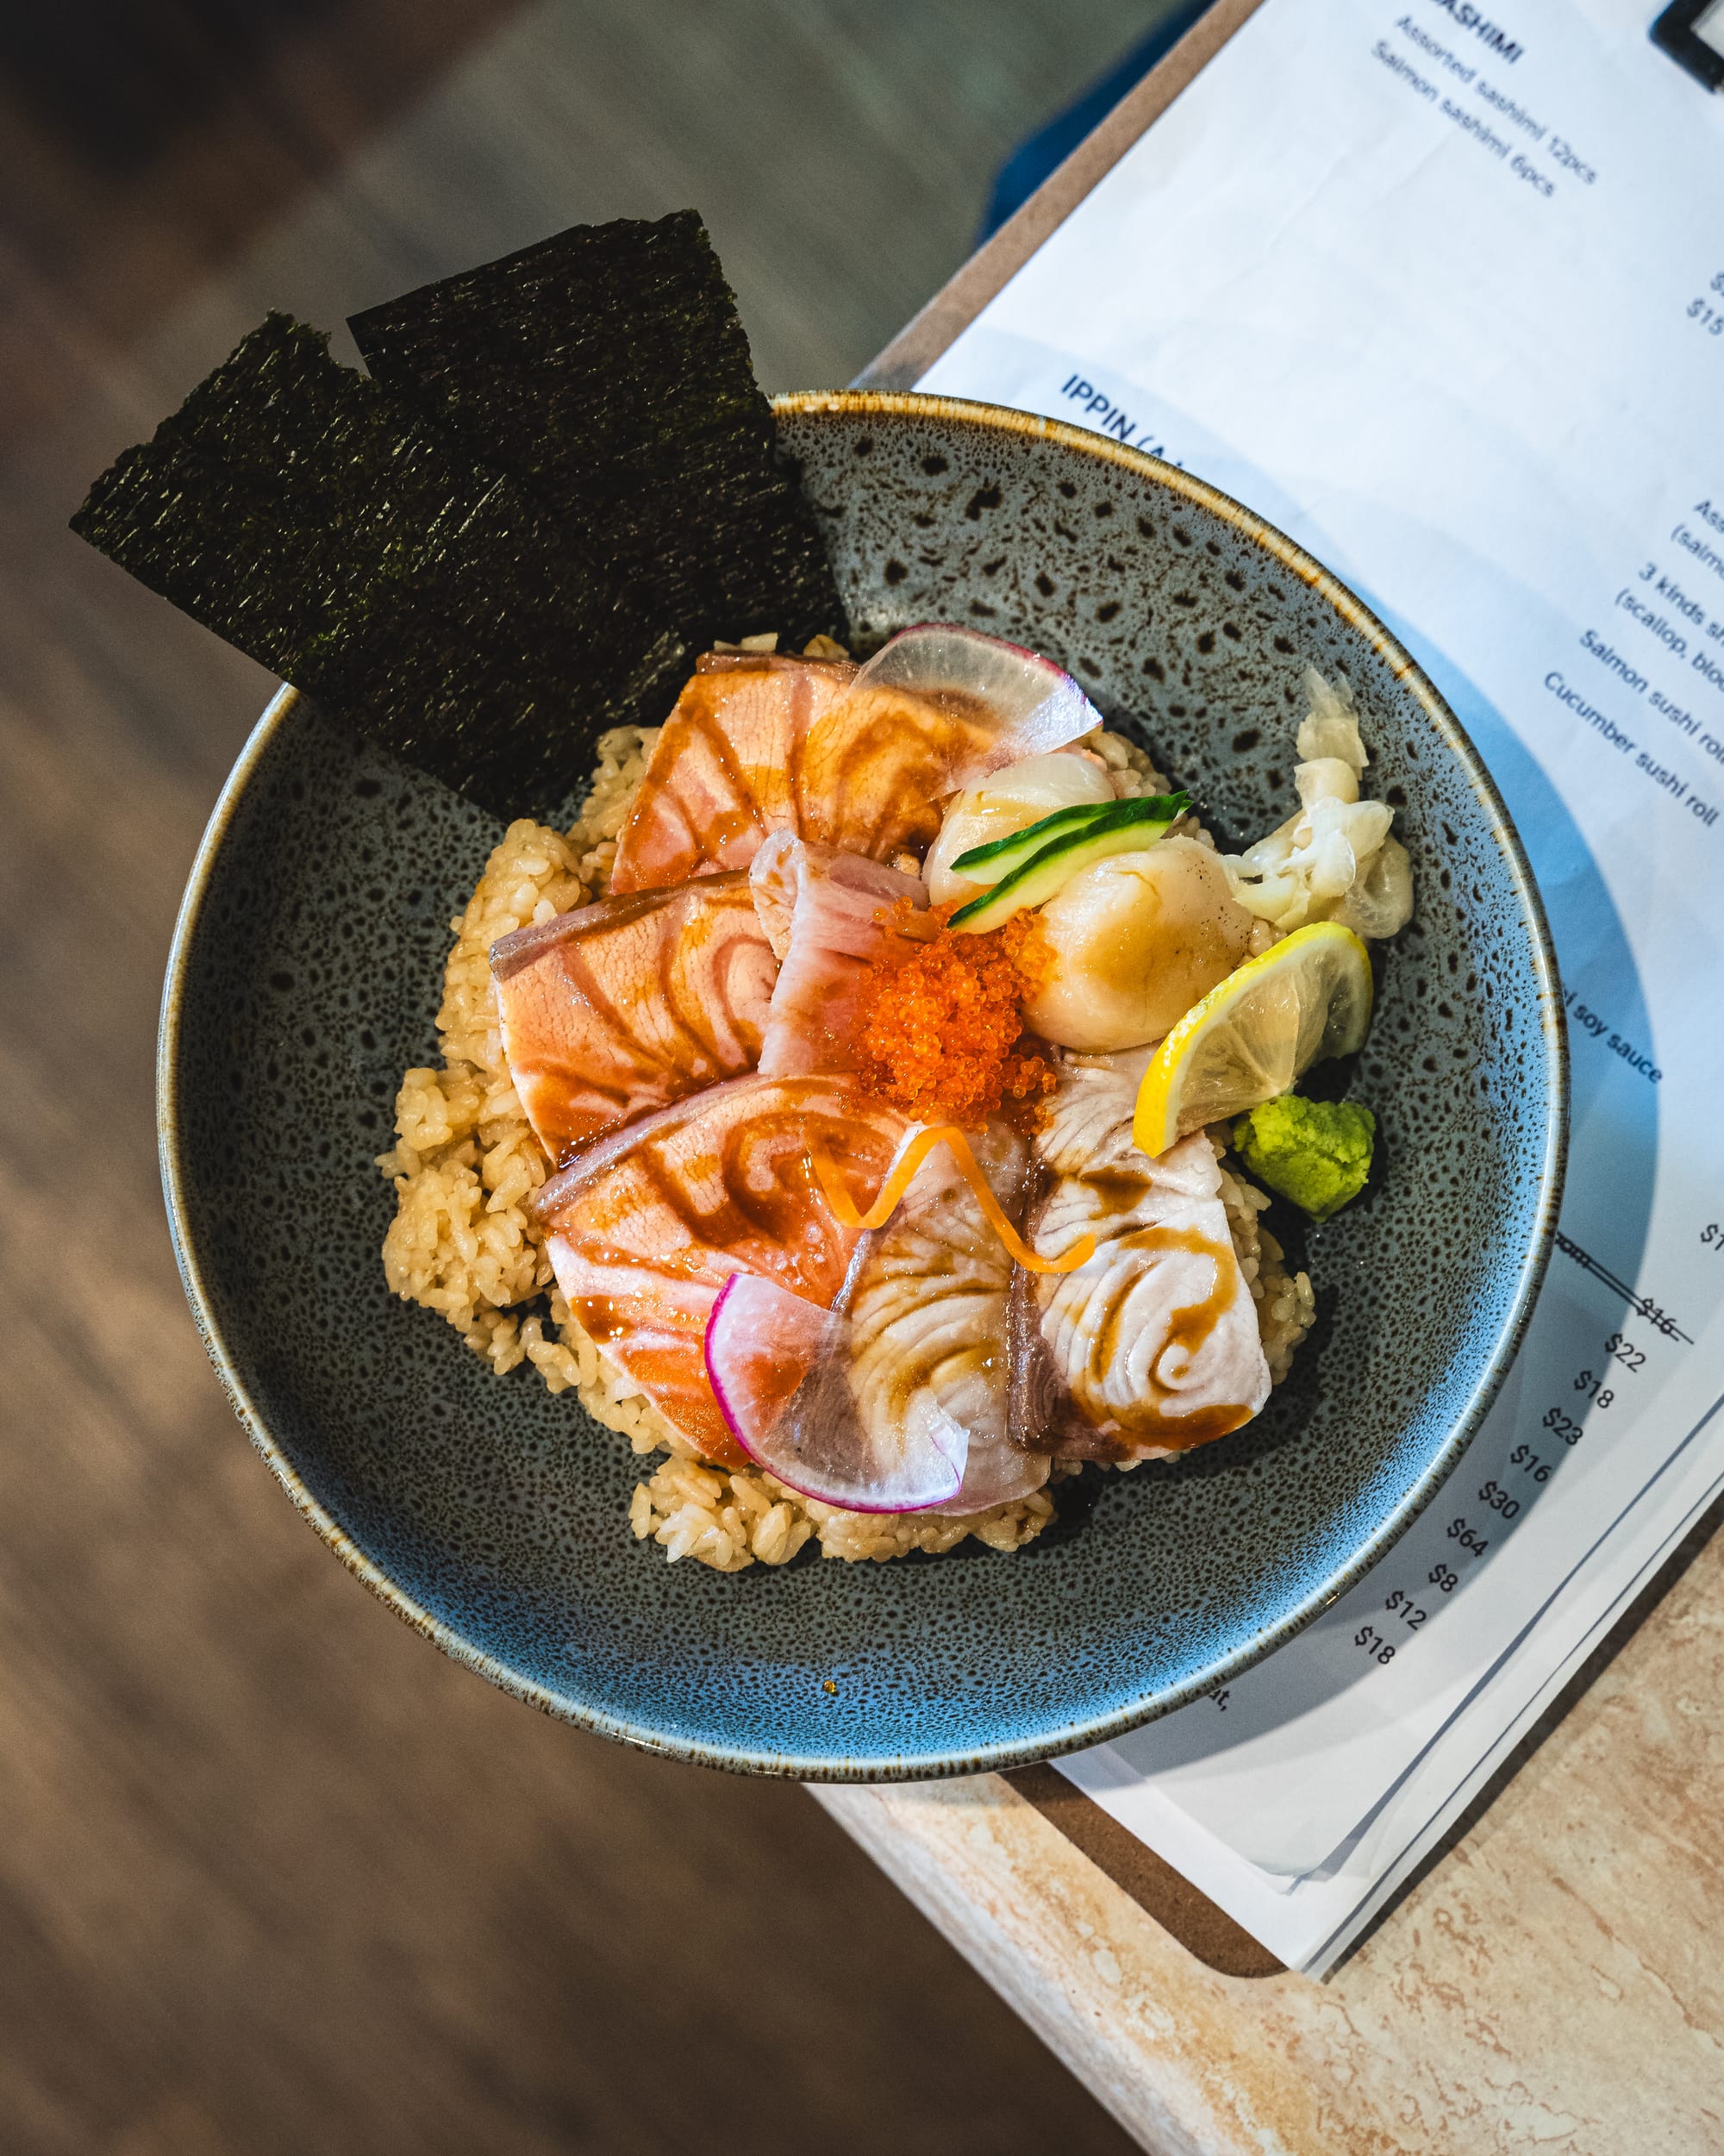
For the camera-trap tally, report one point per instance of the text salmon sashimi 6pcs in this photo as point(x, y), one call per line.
point(883, 1078)
point(870, 1102)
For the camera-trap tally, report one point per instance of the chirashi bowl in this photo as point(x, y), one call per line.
point(494, 1515)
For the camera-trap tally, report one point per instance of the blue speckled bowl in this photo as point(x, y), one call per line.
point(303, 980)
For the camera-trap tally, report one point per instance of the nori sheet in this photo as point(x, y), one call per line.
point(560, 482)
point(608, 367)
point(363, 552)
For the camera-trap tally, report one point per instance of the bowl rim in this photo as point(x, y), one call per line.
point(1099, 1728)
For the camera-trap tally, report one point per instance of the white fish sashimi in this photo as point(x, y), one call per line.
point(1153, 1345)
point(927, 1300)
point(898, 1400)
point(827, 915)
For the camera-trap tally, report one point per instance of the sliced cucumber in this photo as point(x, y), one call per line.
point(1119, 827)
point(988, 864)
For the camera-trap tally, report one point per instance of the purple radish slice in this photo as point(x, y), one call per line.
point(761, 1341)
point(1031, 706)
point(778, 1367)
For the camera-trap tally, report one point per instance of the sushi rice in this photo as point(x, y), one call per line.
point(466, 1162)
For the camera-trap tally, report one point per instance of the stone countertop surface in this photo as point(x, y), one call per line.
point(1555, 1981)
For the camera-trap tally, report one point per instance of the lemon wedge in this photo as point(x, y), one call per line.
point(1273, 1017)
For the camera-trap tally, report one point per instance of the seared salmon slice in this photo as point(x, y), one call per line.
point(760, 743)
point(646, 1228)
point(830, 917)
point(628, 1004)
point(723, 774)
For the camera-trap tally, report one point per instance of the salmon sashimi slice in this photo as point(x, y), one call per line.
point(759, 743)
point(628, 1004)
point(645, 1227)
point(722, 776)
point(828, 916)
point(1153, 1345)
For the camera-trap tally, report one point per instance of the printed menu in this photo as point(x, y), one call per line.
point(1443, 297)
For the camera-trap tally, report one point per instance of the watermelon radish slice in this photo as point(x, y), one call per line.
point(761, 1342)
point(1030, 706)
point(779, 1370)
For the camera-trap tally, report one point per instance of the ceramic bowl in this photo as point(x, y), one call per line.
point(304, 979)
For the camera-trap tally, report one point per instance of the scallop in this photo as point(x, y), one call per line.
point(1131, 944)
point(1008, 800)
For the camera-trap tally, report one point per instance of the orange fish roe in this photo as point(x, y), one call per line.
point(941, 1035)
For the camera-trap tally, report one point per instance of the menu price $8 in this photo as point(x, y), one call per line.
point(1444, 1577)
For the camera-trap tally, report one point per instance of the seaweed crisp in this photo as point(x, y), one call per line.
point(559, 481)
point(608, 368)
point(362, 552)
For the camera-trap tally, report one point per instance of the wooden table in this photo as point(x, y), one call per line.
point(1555, 1981)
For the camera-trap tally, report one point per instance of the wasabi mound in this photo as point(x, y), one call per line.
point(1316, 1152)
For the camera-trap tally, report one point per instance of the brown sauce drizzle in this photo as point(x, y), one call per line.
point(733, 822)
point(599, 1316)
point(1190, 1328)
